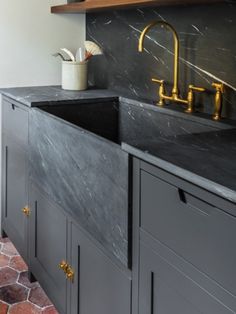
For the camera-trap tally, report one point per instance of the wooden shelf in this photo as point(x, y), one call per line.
point(99, 5)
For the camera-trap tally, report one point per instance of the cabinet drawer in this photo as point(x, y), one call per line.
point(15, 121)
point(169, 285)
point(197, 231)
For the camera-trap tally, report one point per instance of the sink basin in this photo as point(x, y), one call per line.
point(127, 121)
point(98, 118)
point(77, 158)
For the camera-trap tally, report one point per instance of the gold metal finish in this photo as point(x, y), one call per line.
point(68, 270)
point(64, 266)
point(190, 98)
point(161, 102)
point(175, 90)
point(218, 100)
point(70, 274)
point(26, 211)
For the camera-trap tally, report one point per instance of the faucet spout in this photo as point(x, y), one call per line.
point(175, 90)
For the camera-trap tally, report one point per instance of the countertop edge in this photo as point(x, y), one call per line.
point(211, 186)
point(49, 98)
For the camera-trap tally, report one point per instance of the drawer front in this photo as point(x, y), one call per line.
point(15, 122)
point(165, 288)
point(197, 231)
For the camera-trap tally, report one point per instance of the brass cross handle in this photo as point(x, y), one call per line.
point(26, 211)
point(196, 89)
point(219, 87)
point(161, 102)
point(190, 99)
point(161, 82)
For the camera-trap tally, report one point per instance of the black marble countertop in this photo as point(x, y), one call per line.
point(39, 95)
point(206, 159)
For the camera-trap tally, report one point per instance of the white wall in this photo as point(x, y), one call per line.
point(29, 34)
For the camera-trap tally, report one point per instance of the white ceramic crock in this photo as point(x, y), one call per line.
point(74, 75)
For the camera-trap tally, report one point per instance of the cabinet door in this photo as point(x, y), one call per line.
point(201, 233)
point(48, 247)
point(15, 193)
point(164, 288)
point(99, 285)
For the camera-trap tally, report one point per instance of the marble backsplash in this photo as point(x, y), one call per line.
point(207, 53)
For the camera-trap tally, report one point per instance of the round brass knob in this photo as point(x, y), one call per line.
point(26, 210)
point(64, 266)
point(70, 274)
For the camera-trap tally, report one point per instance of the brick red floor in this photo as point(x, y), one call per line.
point(17, 294)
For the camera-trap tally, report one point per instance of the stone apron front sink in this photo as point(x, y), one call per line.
point(76, 157)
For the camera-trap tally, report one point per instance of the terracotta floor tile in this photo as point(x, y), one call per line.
point(24, 308)
point(3, 308)
point(15, 288)
point(7, 276)
point(4, 240)
point(38, 297)
point(4, 260)
point(23, 279)
point(13, 294)
point(18, 263)
point(49, 310)
point(9, 249)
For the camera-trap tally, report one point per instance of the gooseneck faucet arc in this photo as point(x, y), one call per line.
point(175, 90)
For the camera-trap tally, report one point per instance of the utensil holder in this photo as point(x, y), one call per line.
point(74, 75)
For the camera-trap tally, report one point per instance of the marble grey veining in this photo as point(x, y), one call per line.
point(79, 155)
point(38, 95)
point(85, 175)
point(206, 159)
point(76, 157)
point(208, 51)
point(196, 146)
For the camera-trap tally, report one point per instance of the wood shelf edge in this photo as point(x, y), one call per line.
point(98, 5)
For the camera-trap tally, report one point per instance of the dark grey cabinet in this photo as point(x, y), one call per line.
point(15, 175)
point(48, 228)
point(91, 282)
point(99, 286)
point(168, 284)
point(195, 229)
point(184, 245)
point(73, 269)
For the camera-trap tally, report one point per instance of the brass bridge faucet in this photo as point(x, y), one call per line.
point(175, 90)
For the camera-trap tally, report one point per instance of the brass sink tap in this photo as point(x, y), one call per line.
point(175, 90)
point(218, 100)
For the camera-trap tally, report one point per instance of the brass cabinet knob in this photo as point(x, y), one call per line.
point(70, 274)
point(64, 266)
point(26, 211)
point(68, 270)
